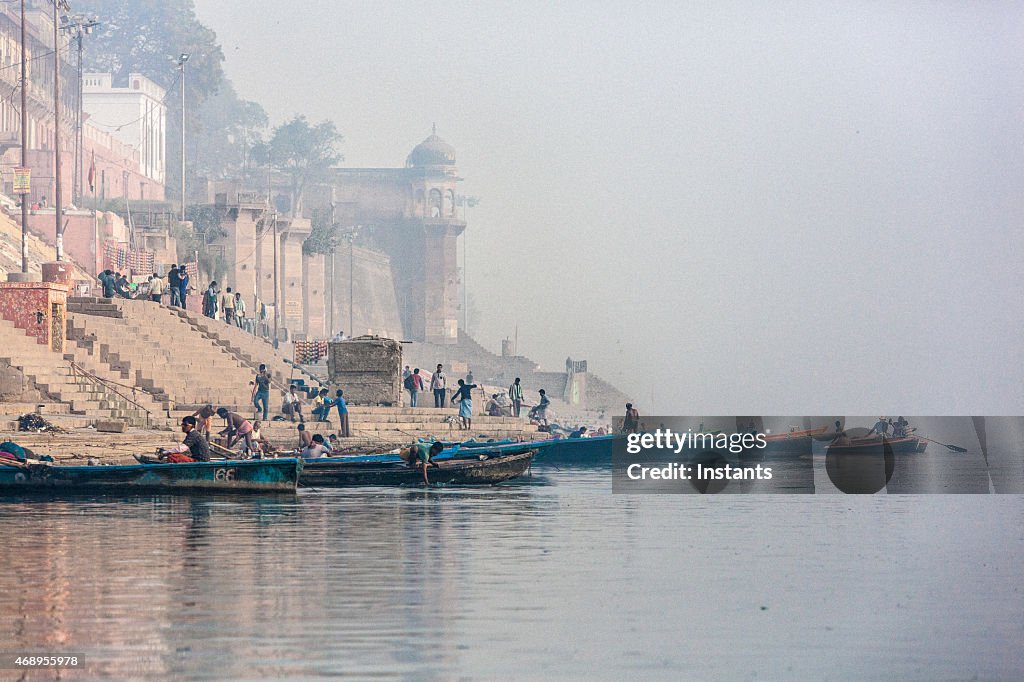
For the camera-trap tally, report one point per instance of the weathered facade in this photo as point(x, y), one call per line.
point(394, 272)
point(410, 215)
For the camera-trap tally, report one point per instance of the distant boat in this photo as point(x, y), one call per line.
point(227, 476)
point(482, 467)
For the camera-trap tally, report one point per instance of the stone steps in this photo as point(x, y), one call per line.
point(53, 375)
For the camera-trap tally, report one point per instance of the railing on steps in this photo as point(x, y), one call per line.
point(109, 385)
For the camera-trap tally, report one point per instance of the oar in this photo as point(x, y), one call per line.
point(954, 448)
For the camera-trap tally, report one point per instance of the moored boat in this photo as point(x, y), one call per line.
point(483, 467)
point(227, 476)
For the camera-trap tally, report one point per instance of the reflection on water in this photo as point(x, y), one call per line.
point(554, 576)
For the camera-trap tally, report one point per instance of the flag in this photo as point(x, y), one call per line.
point(92, 173)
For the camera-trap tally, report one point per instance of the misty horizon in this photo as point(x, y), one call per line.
point(722, 207)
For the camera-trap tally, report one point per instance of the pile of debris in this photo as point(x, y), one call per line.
point(35, 423)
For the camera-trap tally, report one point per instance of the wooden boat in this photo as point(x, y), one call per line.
point(483, 467)
point(228, 476)
point(877, 446)
point(591, 451)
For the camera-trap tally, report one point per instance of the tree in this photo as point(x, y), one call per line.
point(324, 236)
point(305, 152)
point(149, 38)
point(227, 130)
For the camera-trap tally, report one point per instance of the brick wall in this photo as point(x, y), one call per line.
point(31, 306)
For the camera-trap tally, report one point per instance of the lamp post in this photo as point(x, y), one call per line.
point(334, 246)
point(58, 5)
point(77, 26)
point(181, 65)
point(24, 144)
point(275, 281)
point(351, 236)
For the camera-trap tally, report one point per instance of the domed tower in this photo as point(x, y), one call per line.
point(428, 269)
point(433, 152)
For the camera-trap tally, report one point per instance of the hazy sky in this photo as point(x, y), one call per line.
point(733, 207)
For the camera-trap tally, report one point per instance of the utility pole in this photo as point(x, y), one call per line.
point(58, 5)
point(334, 246)
point(275, 280)
point(24, 143)
point(181, 65)
point(79, 25)
point(351, 278)
point(351, 284)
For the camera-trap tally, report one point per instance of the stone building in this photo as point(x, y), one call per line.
point(393, 273)
point(126, 166)
point(409, 215)
point(134, 114)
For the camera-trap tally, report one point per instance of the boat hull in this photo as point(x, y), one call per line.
point(875, 446)
point(338, 472)
point(230, 476)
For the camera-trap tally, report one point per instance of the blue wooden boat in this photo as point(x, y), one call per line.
point(482, 467)
point(591, 451)
point(226, 476)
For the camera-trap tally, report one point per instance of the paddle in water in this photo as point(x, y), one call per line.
point(954, 448)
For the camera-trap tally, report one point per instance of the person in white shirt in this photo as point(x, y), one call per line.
point(438, 386)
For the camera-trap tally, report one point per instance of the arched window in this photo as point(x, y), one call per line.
point(435, 203)
point(449, 203)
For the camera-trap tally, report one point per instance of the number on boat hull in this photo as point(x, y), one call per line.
point(225, 474)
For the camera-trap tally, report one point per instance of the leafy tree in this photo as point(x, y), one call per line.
point(227, 131)
point(305, 152)
point(324, 236)
point(148, 38)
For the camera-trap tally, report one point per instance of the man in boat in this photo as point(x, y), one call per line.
point(421, 455)
point(316, 448)
point(881, 427)
point(581, 432)
point(305, 437)
point(840, 438)
point(631, 422)
point(238, 427)
point(899, 429)
point(196, 447)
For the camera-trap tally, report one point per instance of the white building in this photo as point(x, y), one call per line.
point(135, 115)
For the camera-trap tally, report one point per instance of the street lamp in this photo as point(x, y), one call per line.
point(78, 25)
point(351, 235)
point(58, 7)
point(181, 65)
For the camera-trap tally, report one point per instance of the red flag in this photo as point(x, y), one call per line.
point(92, 173)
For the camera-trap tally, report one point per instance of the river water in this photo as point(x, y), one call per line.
point(553, 576)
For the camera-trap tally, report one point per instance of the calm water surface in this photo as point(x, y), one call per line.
point(552, 577)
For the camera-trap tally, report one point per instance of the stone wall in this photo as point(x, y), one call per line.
point(40, 308)
point(369, 369)
point(375, 307)
point(15, 387)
